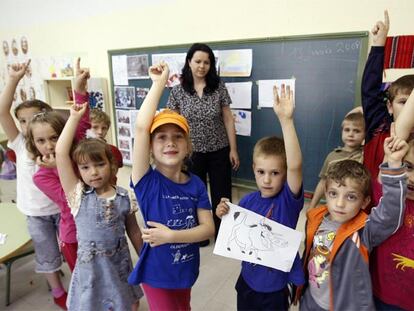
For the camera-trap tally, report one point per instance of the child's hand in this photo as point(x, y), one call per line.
point(380, 31)
point(159, 72)
point(222, 208)
point(48, 161)
point(17, 71)
point(82, 76)
point(77, 110)
point(395, 149)
point(157, 235)
point(283, 105)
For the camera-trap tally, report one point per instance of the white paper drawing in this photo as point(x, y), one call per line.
point(240, 94)
point(266, 90)
point(235, 63)
point(119, 69)
point(242, 122)
point(251, 237)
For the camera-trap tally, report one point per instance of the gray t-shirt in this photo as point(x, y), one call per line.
point(319, 262)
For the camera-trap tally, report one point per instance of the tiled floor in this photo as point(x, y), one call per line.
point(214, 289)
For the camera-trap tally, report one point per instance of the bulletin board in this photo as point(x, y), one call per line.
point(327, 70)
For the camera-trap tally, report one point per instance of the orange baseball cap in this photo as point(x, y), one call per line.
point(168, 116)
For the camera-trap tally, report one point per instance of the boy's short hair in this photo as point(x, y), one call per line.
point(340, 171)
point(98, 116)
point(403, 85)
point(356, 117)
point(35, 103)
point(270, 146)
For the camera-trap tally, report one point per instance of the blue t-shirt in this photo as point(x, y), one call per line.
point(283, 208)
point(174, 205)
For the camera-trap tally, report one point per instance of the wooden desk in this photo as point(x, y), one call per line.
point(18, 242)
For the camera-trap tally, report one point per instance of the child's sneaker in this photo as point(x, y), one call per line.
point(61, 301)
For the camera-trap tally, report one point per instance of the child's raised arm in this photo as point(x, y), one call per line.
point(404, 124)
point(395, 149)
point(81, 96)
point(141, 152)
point(16, 73)
point(380, 31)
point(67, 174)
point(372, 99)
point(284, 106)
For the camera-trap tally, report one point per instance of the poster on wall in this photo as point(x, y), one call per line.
point(124, 97)
point(266, 97)
point(235, 63)
point(175, 62)
point(242, 122)
point(120, 69)
point(137, 66)
point(240, 94)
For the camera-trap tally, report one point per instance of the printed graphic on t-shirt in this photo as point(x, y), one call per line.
point(179, 257)
point(178, 220)
point(319, 261)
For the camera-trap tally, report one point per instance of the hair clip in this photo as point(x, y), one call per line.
point(39, 114)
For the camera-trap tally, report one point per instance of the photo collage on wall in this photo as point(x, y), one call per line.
point(17, 50)
point(128, 98)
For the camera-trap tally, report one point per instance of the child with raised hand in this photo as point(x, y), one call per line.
point(340, 236)
point(277, 165)
point(42, 213)
point(391, 279)
point(174, 203)
point(102, 214)
point(379, 113)
point(43, 132)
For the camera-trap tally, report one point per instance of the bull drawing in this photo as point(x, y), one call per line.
point(253, 238)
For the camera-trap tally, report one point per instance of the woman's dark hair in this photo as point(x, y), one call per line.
point(212, 79)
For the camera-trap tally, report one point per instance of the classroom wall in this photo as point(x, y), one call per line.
point(90, 28)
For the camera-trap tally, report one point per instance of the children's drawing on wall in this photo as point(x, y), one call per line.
point(242, 122)
point(137, 66)
point(125, 97)
point(248, 236)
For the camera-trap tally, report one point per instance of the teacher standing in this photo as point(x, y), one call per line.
point(205, 102)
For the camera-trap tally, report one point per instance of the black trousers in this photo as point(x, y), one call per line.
point(217, 166)
point(250, 300)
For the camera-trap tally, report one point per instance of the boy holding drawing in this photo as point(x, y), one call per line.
point(340, 236)
point(277, 166)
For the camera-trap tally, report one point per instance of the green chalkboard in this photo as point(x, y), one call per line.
point(328, 70)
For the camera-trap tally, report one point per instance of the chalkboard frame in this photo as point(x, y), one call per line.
point(334, 139)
